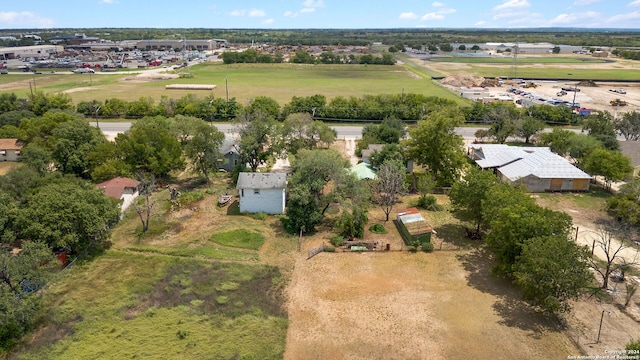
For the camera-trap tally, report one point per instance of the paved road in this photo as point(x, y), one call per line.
point(111, 129)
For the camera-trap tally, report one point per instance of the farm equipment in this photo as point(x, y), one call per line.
point(618, 102)
point(561, 93)
point(530, 85)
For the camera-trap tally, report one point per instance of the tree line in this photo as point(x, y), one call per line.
point(360, 37)
point(304, 57)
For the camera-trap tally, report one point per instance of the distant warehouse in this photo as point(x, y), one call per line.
point(36, 51)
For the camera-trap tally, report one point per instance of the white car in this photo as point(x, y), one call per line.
point(84, 71)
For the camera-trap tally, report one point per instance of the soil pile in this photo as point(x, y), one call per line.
point(587, 83)
point(461, 80)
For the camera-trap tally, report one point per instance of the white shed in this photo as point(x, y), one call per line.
point(262, 192)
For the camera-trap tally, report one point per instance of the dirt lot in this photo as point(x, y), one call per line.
point(596, 98)
point(400, 305)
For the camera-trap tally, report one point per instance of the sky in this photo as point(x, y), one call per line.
point(319, 14)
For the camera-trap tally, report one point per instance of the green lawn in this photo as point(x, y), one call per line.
point(243, 81)
point(240, 238)
point(521, 60)
point(125, 306)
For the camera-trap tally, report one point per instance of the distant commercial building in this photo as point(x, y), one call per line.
point(210, 44)
point(35, 51)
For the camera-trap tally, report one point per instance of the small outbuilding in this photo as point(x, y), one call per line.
point(262, 192)
point(413, 227)
point(364, 171)
point(10, 149)
point(121, 188)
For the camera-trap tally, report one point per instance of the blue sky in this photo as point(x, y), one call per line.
point(296, 14)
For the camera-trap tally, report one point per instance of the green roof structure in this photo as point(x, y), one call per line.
point(364, 171)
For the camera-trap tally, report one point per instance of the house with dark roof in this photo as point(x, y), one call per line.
point(121, 188)
point(262, 192)
point(231, 156)
point(538, 168)
point(10, 149)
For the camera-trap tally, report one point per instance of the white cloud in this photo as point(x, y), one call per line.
point(23, 19)
point(108, 1)
point(624, 17)
point(481, 23)
point(634, 3)
point(576, 18)
point(431, 16)
point(439, 14)
point(290, 14)
point(512, 4)
point(313, 4)
point(267, 22)
point(256, 13)
point(511, 14)
point(408, 16)
point(307, 10)
point(249, 13)
point(584, 2)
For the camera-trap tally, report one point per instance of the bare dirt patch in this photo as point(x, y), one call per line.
point(79, 89)
point(399, 305)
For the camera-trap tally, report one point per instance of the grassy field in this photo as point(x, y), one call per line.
point(125, 305)
point(555, 73)
point(521, 60)
point(243, 81)
point(191, 288)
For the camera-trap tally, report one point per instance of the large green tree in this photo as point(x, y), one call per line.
point(434, 144)
point(151, 146)
point(558, 140)
point(603, 128)
point(514, 220)
point(300, 131)
point(551, 271)
point(612, 165)
point(629, 125)
point(468, 195)
point(73, 141)
point(201, 143)
point(257, 138)
point(319, 178)
point(67, 213)
point(20, 276)
point(503, 121)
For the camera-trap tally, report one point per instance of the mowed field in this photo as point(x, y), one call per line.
point(243, 82)
point(536, 67)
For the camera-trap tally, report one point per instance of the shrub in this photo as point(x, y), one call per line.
point(633, 345)
point(412, 249)
point(429, 202)
point(377, 229)
point(427, 247)
point(337, 240)
point(329, 249)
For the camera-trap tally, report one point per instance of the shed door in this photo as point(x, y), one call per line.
point(580, 184)
point(556, 185)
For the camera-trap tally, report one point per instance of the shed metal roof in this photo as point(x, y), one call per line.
point(543, 164)
point(248, 180)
